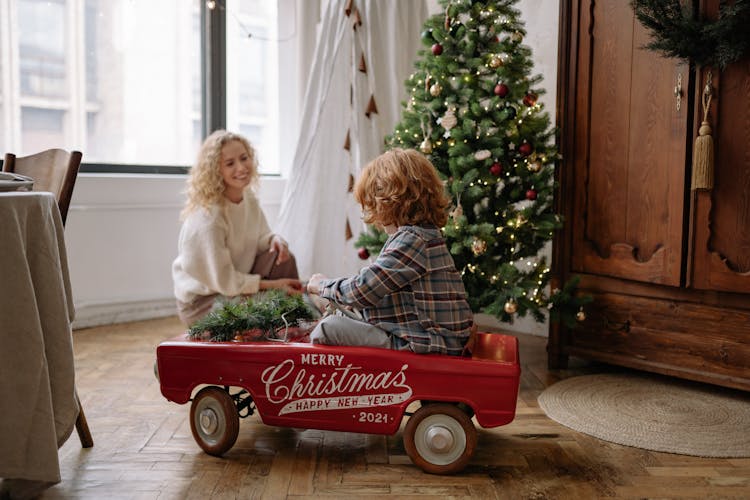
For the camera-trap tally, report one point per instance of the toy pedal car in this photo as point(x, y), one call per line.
point(344, 388)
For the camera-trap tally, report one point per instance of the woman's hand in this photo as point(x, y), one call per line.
point(313, 286)
point(281, 248)
point(289, 285)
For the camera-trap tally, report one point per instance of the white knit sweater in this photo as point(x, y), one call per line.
point(217, 249)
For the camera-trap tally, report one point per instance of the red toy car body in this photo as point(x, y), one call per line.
point(344, 388)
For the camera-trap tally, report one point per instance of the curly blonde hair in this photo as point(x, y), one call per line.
point(205, 185)
point(402, 187)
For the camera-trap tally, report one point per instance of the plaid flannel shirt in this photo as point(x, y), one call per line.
point(412, 291)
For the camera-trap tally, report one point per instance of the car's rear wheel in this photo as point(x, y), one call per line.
point(214, 420)
point(440, 438)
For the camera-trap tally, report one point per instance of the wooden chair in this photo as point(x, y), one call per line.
point(54, 170)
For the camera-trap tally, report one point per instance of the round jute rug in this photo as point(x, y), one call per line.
point(654, 413)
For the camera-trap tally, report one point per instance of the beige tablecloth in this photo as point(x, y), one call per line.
point(38, 406)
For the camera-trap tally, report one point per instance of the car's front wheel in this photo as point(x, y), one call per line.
point(214, 420)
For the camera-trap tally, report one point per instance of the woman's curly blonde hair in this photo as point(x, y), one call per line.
point(401, 187)
point(205, 185)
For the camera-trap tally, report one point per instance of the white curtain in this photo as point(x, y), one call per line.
point(317, 204)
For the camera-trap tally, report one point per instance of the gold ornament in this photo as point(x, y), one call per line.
point(517, 36)
point(511, 306)
point(535, 166)
point(435, 89)
point(426, 146)
point(496, 61)
point(478, 246)
point(580, 315)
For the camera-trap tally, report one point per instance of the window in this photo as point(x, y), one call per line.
point(120, 80)
point(252, 77)
point(140, 63)
point(113, 78)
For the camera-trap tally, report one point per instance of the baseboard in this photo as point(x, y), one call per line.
point(522, 325)
point(90, 315)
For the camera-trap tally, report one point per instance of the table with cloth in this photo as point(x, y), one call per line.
point(37, 378)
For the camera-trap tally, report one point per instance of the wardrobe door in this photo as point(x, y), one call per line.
point(721, 251)
point(629, 152)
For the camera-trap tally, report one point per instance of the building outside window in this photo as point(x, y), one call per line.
point(120, 80)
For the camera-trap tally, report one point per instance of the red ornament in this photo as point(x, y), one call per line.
point(496, 169)
point(530, 99)
point(501, 90)
point(437, 49)
point(525, 149)
point(363, 253)
point(531, 194)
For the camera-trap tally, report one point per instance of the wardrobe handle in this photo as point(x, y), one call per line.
point(678, 91)
point(617, 327)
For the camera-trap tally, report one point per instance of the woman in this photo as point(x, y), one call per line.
point(226, 248)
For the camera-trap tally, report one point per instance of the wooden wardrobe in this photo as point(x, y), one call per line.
point(668, 266)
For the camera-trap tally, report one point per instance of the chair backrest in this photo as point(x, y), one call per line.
point(53, 170)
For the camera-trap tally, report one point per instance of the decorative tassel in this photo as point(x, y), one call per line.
point(703, 149)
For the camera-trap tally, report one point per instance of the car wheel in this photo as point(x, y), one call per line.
point(214, 420)
point(440, 438)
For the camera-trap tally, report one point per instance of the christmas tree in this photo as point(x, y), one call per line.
point(473, 109)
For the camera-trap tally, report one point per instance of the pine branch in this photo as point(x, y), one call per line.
point(678, 32)
point(263, 313)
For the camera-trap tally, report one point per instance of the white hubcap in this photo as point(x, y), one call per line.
point(439, 439)
point(209, 421)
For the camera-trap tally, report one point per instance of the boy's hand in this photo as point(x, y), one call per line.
point(313, 286)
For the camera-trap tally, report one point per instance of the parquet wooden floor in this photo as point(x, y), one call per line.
point(144, 449)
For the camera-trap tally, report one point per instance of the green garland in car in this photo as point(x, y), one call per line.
point(263, 314)
point(678, 32)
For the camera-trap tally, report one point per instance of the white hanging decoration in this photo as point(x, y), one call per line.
point(482, 154)
point(449, 120)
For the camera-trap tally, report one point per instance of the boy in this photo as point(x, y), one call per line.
point(412, 296)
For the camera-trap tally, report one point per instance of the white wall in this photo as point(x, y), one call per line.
point(121, 236)
point(122, 229)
